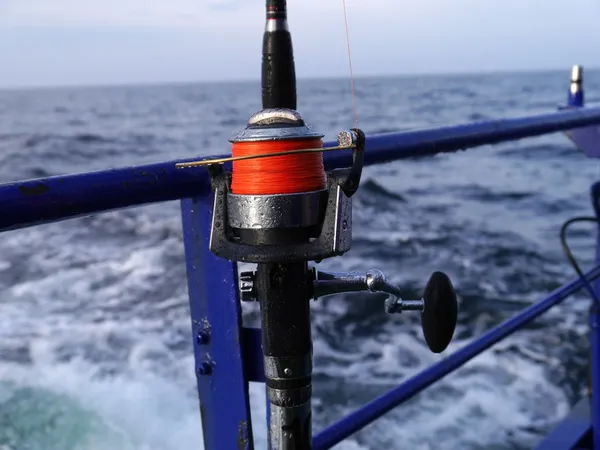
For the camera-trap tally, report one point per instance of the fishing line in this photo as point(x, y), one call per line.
point(350, 64)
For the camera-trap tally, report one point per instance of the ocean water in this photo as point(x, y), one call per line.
point(95, 342)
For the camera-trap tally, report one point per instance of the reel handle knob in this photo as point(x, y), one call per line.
point(440, 314)
point(438, 307)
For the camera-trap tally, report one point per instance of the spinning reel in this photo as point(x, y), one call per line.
point(311, 226)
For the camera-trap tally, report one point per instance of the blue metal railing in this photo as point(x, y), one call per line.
point(34, 202)
point(225, 352)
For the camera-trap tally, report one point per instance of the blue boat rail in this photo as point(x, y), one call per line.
point(220, 228)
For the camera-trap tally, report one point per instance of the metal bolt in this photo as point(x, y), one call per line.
point(205, 368)
point(287, 372)
point(202, 337)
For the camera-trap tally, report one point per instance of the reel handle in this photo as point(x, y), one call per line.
point(438, 307)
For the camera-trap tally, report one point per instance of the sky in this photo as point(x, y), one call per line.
point(87, 42)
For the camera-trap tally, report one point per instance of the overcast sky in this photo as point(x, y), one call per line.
point(66, 42)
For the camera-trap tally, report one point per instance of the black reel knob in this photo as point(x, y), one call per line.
point(440, 312)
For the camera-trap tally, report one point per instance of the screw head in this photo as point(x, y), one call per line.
point(202, 337)
point(205, 368)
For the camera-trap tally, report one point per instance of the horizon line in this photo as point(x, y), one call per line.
point(142, 83)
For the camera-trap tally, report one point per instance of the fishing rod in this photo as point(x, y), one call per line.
point(278, 208)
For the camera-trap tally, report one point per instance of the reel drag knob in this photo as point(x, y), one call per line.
point(440, 312)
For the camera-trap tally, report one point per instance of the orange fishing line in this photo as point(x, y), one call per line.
point(289, 174)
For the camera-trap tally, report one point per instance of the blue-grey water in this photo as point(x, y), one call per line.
point(95, 342)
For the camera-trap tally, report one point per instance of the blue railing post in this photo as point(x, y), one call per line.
point(594, 321)
point(217, 334)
